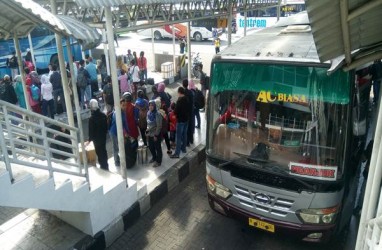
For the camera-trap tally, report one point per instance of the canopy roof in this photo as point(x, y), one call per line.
point(347, 28)
point(113, 3)
point(88, 37)
point(20, 17)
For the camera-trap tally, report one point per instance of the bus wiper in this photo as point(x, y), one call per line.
point(248, 159)
point(284, 172)
point(268, 165)
point(230, 161)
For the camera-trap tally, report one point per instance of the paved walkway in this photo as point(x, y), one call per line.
point(37, 229)
point(184, 220)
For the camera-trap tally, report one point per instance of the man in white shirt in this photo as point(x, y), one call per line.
point(134, 77)
point(129, 57)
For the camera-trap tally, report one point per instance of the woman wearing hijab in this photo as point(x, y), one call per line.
point(162, 109)
point(28, 60)
point(153, 132)
point(164, 96)
point(34, 103)
point(47, 97)
point(97, 133)
point(20, 92)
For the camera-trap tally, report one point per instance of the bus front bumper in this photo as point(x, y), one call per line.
point(310, 233)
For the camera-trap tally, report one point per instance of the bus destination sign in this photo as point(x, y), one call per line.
point(328, 173)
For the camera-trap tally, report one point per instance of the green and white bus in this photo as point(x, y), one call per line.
point(284, 137)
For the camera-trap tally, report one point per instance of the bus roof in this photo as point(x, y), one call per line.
point(289, 41)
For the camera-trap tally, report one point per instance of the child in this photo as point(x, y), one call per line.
point(123, 79)
point(172, 122)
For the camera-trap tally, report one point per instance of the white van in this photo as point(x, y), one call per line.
point(165, 31)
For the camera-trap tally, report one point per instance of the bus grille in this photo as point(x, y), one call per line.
point(263, 202)
point(267, 179)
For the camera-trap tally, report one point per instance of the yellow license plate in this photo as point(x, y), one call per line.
point(262, 225)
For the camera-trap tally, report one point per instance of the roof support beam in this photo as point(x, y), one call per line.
point(345, 30)
point(65, 8)
point(64, 78)
point(163, 12)
point(21, 69)
point(116, 96)
point(363, 9)
point(7, 35)
point(363, 60)
point(23, 22)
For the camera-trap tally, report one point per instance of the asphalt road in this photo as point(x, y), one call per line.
point(134, 42)
point(184, 220)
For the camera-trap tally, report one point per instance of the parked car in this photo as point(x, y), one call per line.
point(165, 31)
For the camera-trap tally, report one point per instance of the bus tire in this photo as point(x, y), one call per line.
point(157, 35)
point(198, 37)
point(339, 240)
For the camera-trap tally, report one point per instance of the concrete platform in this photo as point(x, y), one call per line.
point(39, 229)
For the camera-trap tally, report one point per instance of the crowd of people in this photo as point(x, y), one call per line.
point(45, 92)
point(149, 120)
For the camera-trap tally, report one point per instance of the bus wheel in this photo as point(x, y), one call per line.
point(157, 35)
point(340, 240)
point(198, 37)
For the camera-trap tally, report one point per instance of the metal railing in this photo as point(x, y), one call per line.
point(36, 141)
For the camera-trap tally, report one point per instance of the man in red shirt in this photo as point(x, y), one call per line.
point(131, 142)
point(142, 65)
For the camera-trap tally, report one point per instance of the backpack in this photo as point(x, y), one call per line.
point(35, 91)
point(199, 99)
point(164, 128)
point(82, 79)
point(142, 117)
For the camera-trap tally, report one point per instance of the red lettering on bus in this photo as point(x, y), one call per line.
point(328, 173)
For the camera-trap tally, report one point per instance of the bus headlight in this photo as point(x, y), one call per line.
point(318, 215)
point(217, 189)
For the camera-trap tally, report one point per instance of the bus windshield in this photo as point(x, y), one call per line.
point(276, 117)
